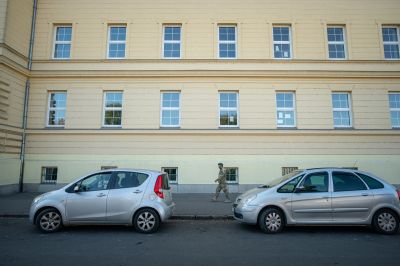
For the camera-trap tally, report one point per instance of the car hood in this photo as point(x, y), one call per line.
point(252, 192)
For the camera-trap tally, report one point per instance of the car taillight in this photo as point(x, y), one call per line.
point(158, 187)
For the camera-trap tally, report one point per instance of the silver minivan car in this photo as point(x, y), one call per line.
point(321, 196)
point(115, 196)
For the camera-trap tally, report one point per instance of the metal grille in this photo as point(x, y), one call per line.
point(49, 175)
point(288, 170)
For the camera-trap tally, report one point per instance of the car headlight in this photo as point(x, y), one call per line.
point(249, 200)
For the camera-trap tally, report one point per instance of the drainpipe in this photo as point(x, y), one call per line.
point(26, 99)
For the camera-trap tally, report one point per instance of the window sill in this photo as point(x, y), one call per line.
point(286, 128)
point(227, 127)
point(172, 128)
point(111, 127)
point(343, 128)
point(55, 127)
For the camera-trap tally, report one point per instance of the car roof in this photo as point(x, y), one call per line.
point(332, 168)
point(129, 170)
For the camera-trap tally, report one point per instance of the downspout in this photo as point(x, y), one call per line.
point(26, 99)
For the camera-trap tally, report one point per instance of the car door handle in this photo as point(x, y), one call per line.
point(101, 195)
point(137, 191)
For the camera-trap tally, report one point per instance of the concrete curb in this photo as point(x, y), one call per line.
point(174, 217)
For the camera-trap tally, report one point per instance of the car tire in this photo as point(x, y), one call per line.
point(146, 221)
point(386, 222)
point(271, 221)
point(49, 221)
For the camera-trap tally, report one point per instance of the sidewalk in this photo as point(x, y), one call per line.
point(191, 206)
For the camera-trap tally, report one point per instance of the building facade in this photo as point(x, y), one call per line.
point(263, 86)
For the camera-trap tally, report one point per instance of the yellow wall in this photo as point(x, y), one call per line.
point(144, 21)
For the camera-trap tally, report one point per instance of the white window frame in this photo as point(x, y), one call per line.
point(335, 42)
point(172, 41)
point(237, 175)
point(177, 175)
point(391, 43)
point(111, 108)
point(170, 109)
point(393, 110)
point(49, 108)
point(228, 42)
point(283, 109)
point(109, 41)
point(55, 42)
point(343, 109)
point(228, 109)
point(43, 174)
point(282, 42)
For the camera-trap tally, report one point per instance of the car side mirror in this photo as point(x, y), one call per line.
point(300, 189)
point(77, 188)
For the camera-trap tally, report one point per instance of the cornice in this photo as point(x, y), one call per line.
point(211, 132)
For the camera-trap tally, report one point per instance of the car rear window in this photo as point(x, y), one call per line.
point(371, 182)
point(129, 179)
point(343, 181)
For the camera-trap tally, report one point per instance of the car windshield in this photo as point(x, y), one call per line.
point(281, 179)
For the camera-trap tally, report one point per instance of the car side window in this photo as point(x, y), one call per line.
point(343, 181)
point(290, 186)
point(129, 179)
point(371, 182)
point(95, 182)
point(315, 182)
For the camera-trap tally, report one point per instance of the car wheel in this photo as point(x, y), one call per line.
point(146, 221)
point(271, 221)
point(386, 222)
point(49, 221)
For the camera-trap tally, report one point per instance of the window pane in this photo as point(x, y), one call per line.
point(281, 33)
point(129, 179)
point(227, 34)
point(63, 34)
point(391, 51)
point(389, 34)
point(117, 34)
point(282, 51)
point(371, 182)
point(316, 182)
point(346, 182)
point(62, 50)
point(95, 182)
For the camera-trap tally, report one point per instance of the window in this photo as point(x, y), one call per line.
point(346, 182)
point(112, 109)
point(129, 179)
point(232, 175)
point(371, 182)
point(108, 167)
point(172, 42)
point(290, 186)
point(170, 109)
point(285, 109)
point(95, 182)
point(227, 42)
point(391, 42)
point(228, 109)
point(49, 175)
point(62, 42)
point(341, 109)
point(282, 42)
point(172, 174)
point(288, 170)
point(336, 42)
point(56, 109)
point(316, 182)
point(394, 103)
point(116, 42)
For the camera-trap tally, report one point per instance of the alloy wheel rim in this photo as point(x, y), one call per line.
point(273, 221)
point(50, 221)
point(146, 221)
point(386, 222)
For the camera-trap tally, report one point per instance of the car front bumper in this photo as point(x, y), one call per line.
point(245, 213)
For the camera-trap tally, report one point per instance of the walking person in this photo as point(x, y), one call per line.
point(221, 184)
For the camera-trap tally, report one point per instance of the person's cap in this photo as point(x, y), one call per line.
point(220, 164)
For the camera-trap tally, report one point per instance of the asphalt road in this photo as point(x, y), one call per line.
point(195, 243)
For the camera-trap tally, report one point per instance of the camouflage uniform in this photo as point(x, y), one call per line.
point(222, 185)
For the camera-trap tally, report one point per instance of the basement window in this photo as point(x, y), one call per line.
point(49, 175)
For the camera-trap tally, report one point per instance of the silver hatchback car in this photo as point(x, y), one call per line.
point(116, 196)
point(321, 196)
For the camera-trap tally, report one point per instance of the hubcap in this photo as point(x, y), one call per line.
point(146, 221)
point(386, 222)
point(273, 221)
point(50, 221)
